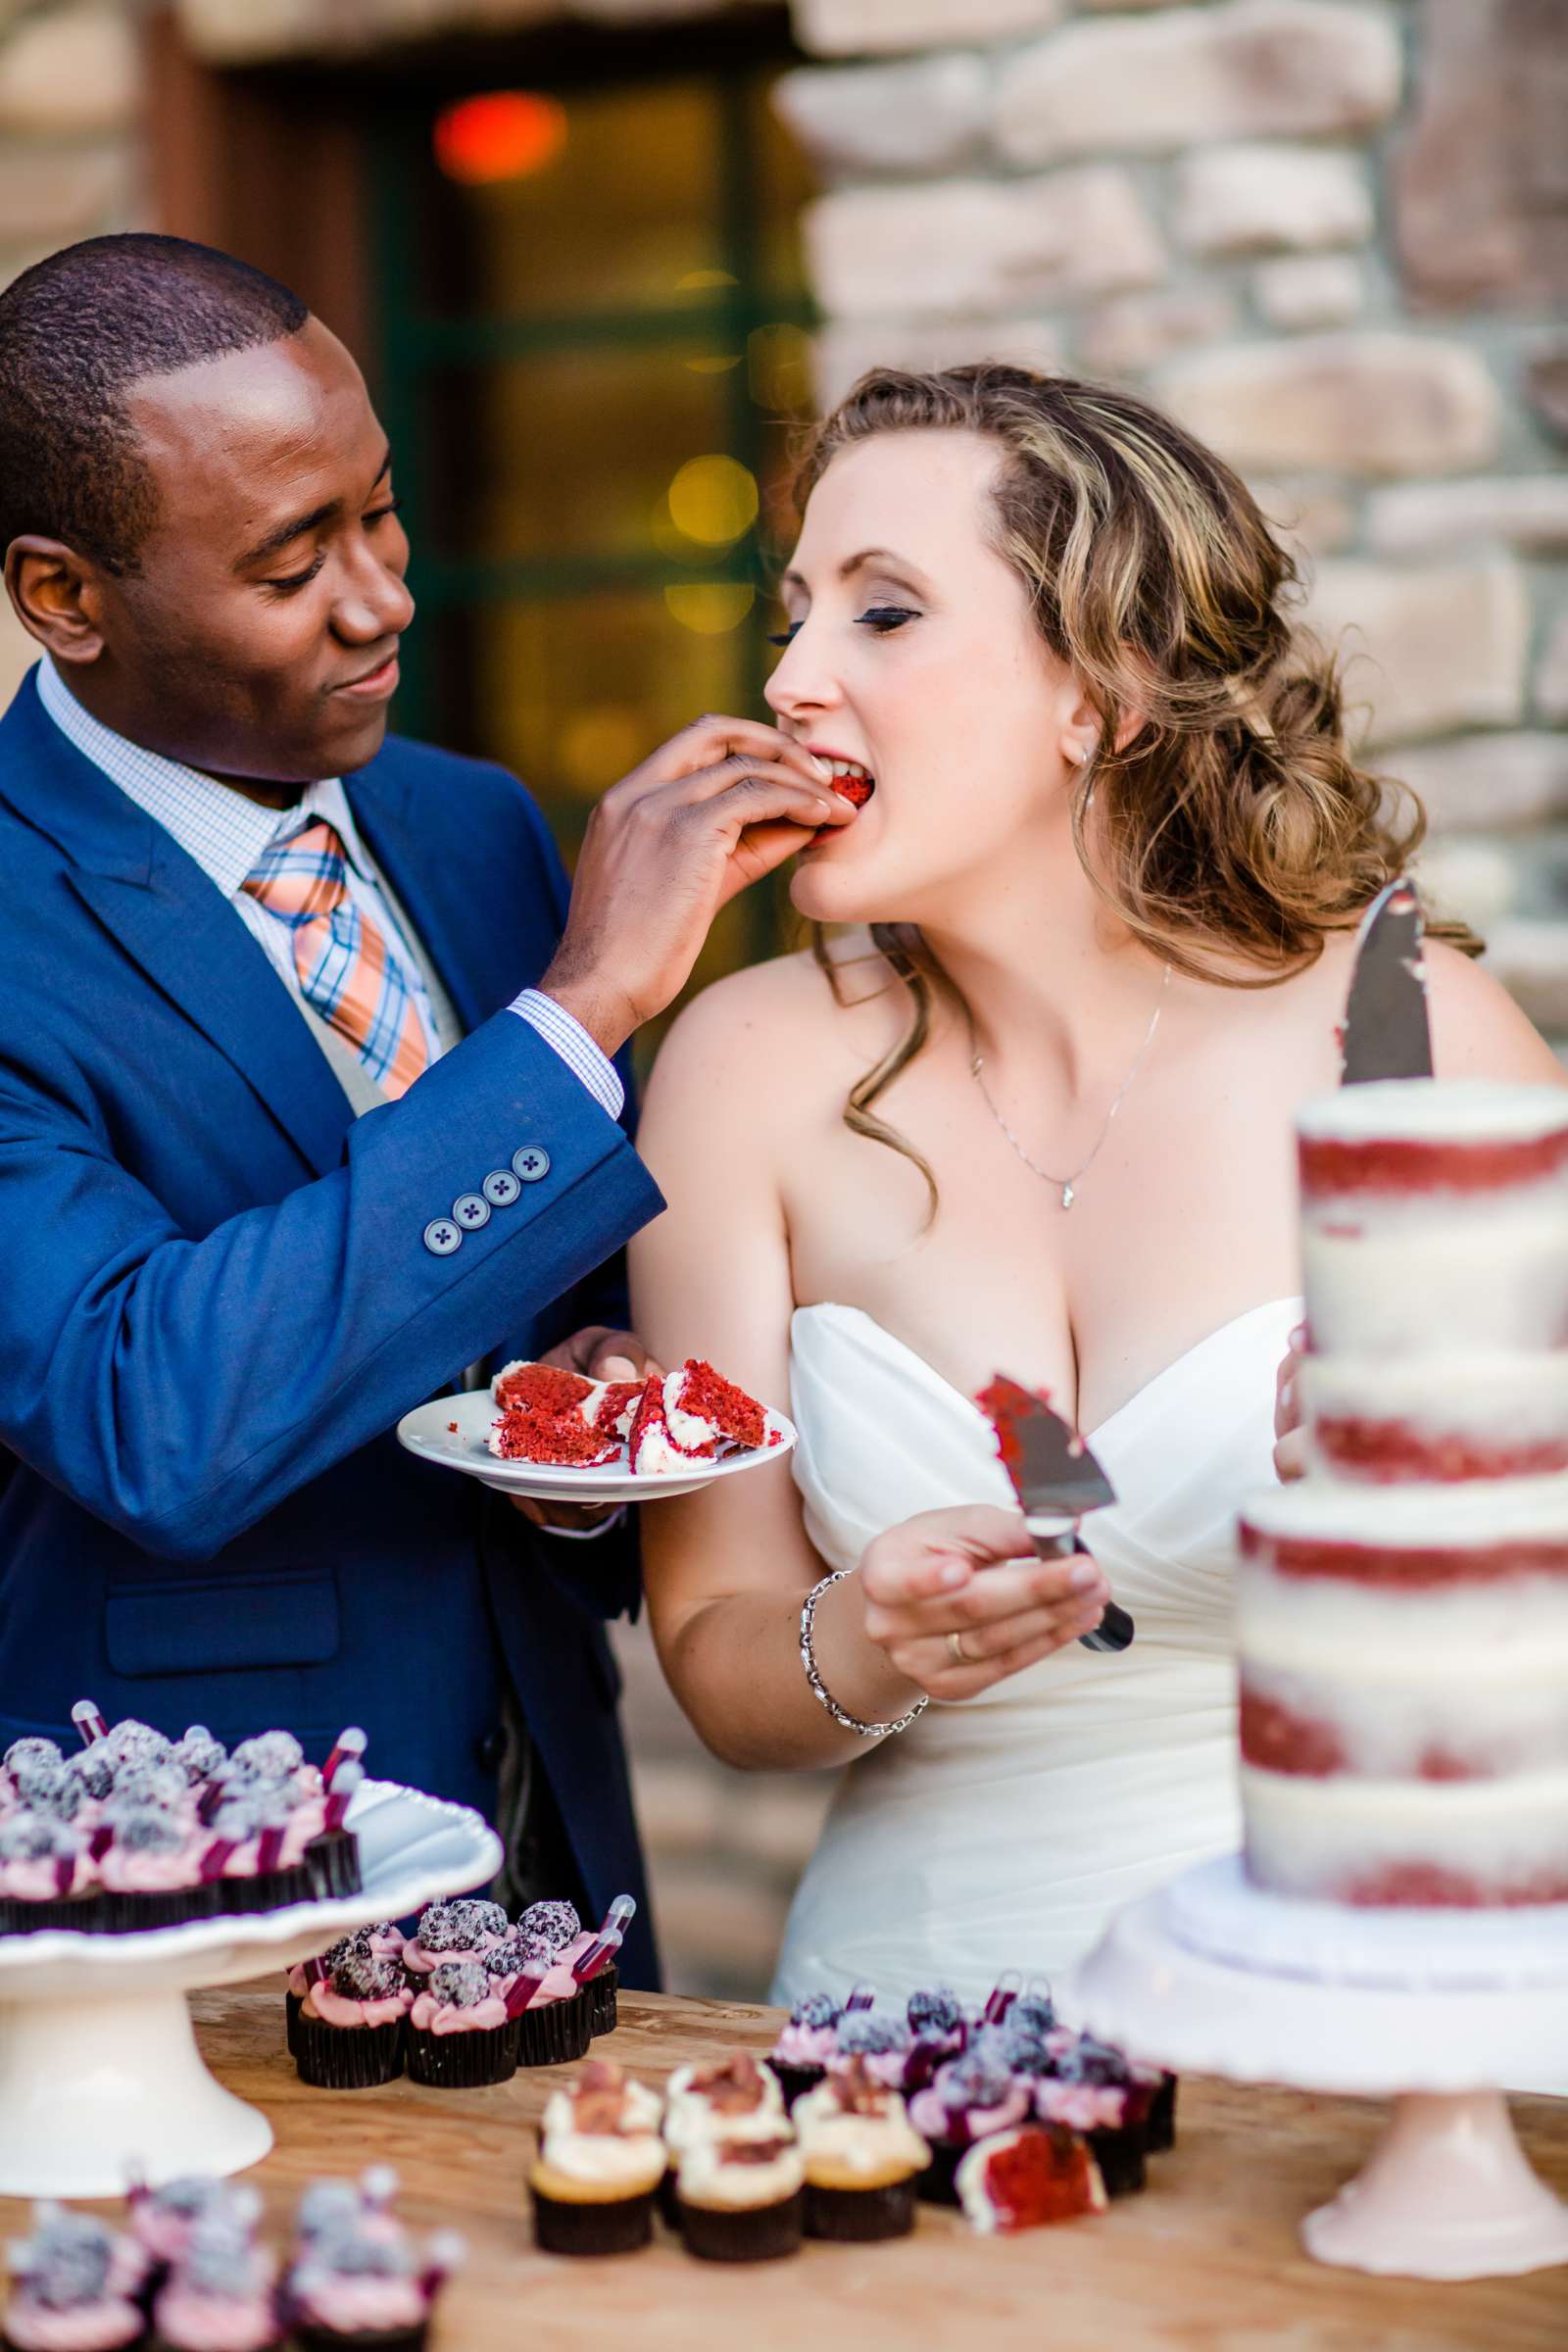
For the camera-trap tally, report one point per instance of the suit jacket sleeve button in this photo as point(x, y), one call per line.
point(501, 1188)
point(469, 1211)
point(441, 1237)
point(531, 1162)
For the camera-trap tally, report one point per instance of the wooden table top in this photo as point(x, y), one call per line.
point(1207, 2260)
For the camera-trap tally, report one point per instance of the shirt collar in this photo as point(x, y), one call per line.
point(225, 832)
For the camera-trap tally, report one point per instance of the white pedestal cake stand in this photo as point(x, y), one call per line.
point(1433, 2009)
point(100, 2076)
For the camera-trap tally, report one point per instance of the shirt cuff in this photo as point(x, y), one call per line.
point(587, 1535)
point(570, 1039)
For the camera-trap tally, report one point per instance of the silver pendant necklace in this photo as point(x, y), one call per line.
point(1067, 1186)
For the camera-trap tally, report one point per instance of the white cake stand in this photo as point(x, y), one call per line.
point(1433, 2009)
point(100, 2076)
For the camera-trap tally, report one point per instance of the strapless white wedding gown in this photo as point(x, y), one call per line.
point(1004, 1831)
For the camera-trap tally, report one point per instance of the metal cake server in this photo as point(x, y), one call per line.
point(1386, 1032)
point(1056, 1480)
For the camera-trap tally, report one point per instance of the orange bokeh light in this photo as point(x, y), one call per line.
point(504, 134)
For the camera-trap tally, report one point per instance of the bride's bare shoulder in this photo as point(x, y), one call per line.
point(787, 1024)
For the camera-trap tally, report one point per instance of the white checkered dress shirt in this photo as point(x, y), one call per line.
point(227, 835)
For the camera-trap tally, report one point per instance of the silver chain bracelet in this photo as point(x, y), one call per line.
point(819, 1688)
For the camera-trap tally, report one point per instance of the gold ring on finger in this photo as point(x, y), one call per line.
point(961, 1656)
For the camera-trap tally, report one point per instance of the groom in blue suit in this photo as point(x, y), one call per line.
point(309, 1100)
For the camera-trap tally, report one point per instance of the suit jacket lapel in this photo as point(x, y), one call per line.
point(445, 880)
point(175, 925)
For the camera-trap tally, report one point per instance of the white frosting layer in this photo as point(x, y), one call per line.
point(1386, 1725)
point(690, 2117)
point(640, 2109)
point(705, 2178)
point(1306, 1836)
point(1462, 1110)
point(858, 2143)
point(1532, 1511)
point(1465, 1637)
point(1411, 1286)
point(631, 2161)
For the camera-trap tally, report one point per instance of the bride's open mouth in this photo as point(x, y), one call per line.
point(852, 783)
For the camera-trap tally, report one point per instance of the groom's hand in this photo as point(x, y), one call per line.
point(598, 1354)
point(721, 805)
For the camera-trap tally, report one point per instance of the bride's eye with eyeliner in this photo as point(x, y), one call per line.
point(785, 636)
point(884, 619)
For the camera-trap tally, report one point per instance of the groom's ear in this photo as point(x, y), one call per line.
point(56, 595)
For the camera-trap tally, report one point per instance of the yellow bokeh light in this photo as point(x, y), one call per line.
point(715, 364)
point(714, 500)
point(708, 607)
point(597, 746)
point(704, 281)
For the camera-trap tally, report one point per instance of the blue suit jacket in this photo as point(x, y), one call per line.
point(217, 1299)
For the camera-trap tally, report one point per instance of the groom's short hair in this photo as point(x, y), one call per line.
point(77, 332)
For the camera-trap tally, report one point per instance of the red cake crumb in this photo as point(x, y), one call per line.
point(707, 1393)
point(617, 1406)
point(648, 1420)
point(1035, 2176)
point(1404, 1567)
point(1426, 1886)
point(1278, 1740)
point(564, 1439)
point(1332, 1165)
point(857, 790)
point(1390, 1450)
point(539, 1387)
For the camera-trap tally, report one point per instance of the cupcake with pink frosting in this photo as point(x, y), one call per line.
point(355, 2283)
point(349, 2029)
point(75, 2287)
point(805, 2046)
point(220, 2296)
point(460, 2033)
point(163, 2220)
point(966, 2100)
point(1094, 2090)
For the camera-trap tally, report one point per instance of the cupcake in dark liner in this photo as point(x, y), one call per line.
point(220, 2296)
point(555, 2033)
point(599, 2165)
point(863, 2158)
point(459, 2036)
point(967, 2099)
point(163, 2220)
point(1094, 2092)
point(939, 2032)
point(589, 1953)
point(741, 2200)
point(800, 2056)
point(735, 2098)
point(149, 1868)
point(1159, 2126)
point(45, 1876)
point(76, 2282)
point(358, 2286)
point(348, 2034)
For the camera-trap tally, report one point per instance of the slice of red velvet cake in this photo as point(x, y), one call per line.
point(703, 1408)
point(539, 1387)
point(564, 1439)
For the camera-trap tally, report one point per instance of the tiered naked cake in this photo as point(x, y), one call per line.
point(1402, 1610)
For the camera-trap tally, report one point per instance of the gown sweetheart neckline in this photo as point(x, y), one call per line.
point(831, 1306)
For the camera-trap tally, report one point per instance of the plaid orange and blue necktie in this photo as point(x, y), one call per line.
point(347, 972)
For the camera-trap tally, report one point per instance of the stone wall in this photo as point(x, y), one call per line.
point(1332, 236)
point(71, 156)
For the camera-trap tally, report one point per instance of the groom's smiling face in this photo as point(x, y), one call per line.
point(915, 654)
point(255, 633)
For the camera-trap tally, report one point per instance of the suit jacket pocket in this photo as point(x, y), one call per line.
point(177, 1628)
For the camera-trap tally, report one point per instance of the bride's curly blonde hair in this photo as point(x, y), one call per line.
point(1232, 825)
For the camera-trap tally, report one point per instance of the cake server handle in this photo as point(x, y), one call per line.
point(1115, 1629)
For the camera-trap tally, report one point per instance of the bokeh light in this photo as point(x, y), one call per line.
point(714, 500)
point(708, 607)
point(503, 134)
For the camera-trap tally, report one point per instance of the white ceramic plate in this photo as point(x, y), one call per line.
point(452, 1430)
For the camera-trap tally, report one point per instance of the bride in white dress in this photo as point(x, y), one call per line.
point(1037, 1119)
